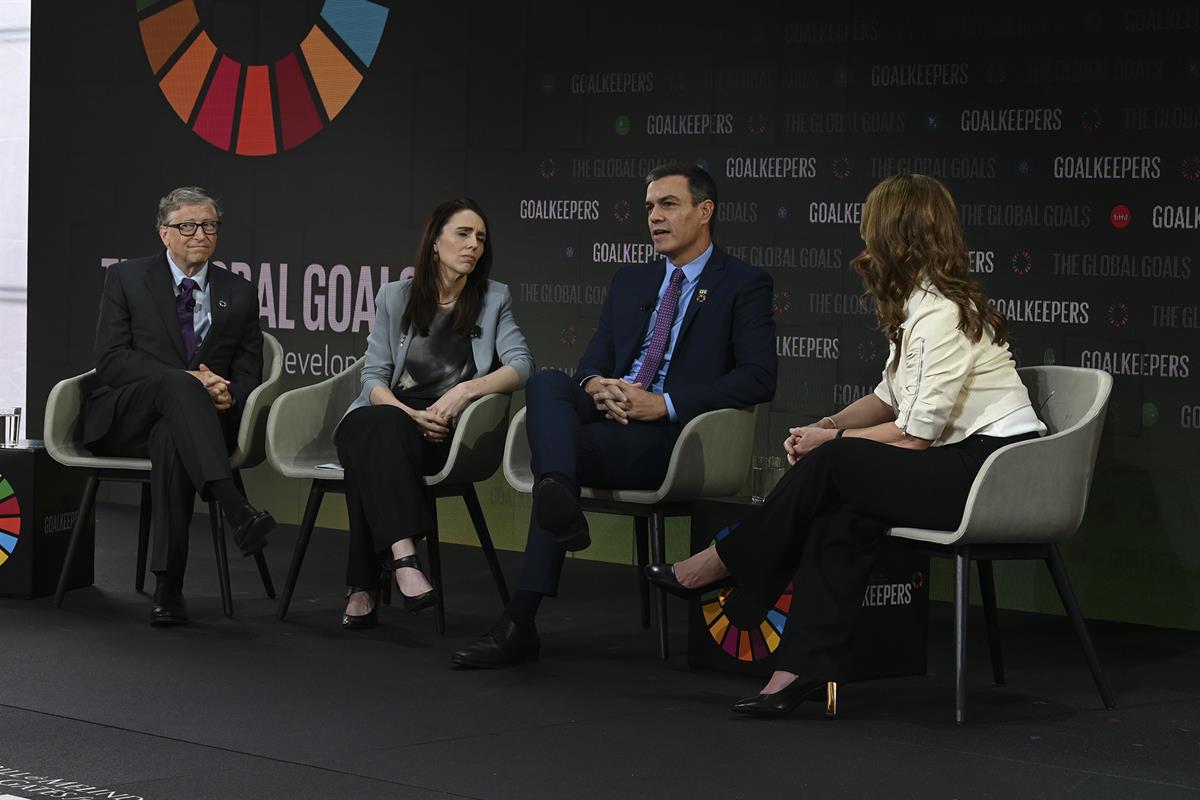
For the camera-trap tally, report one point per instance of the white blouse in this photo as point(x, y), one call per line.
point(946, 387)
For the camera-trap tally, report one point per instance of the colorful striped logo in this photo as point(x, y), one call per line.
point(10, 520)
point(259, 109)
point(750, 642)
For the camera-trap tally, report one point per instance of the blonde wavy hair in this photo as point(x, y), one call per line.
point(911, 230)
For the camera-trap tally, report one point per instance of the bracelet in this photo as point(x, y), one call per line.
point(831, 422)
point(840, 431)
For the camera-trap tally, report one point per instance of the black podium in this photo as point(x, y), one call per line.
point(727, 631)
point(39, 500)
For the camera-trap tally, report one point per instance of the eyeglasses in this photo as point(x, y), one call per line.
point(189, 228)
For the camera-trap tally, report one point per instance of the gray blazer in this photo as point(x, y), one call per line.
point(387, 346)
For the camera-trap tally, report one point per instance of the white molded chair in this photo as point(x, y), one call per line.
point(300, 438)
point(64, 426)
point(1027, 498)
point(711, 459)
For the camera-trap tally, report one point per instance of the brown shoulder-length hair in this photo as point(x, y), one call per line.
point(911, 230)
point(423, 299)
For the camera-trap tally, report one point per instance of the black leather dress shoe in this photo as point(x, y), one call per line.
point(361, 622)
point(663, 576)
point(504, 645)
point(557, 510)
point(250, 535)
point(789, 698)
point(168, 608)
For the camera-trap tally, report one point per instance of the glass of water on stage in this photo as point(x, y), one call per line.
point(12, 425)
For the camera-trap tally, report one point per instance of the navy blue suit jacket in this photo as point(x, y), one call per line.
point(724, 356)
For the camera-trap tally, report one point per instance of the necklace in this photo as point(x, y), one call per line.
point(448, 302)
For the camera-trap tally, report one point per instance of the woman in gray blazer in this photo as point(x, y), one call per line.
point(441, 339)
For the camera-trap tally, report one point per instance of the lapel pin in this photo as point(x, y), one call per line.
point(222, 304)
point(701, 295)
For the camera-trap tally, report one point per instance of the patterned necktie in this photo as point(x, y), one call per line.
point(185, 304)
point(667, 308)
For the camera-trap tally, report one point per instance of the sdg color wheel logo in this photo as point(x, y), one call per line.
point(739, 629)
point(10, 520)
point(256, 79)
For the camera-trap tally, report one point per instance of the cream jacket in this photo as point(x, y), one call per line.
point(946, 387)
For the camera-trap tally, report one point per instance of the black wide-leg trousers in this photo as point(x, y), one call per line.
point(171, 419)
point(821, 528)
point(385, 459)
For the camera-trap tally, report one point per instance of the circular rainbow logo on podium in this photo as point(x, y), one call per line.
point(739, 630)
point(10, 520)
point(260, 109)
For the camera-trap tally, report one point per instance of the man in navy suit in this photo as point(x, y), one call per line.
point(178, 350)
point(677, 337)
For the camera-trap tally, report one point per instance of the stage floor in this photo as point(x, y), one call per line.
point(250, 707)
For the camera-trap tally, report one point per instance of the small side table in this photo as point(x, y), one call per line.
point(39, 501)
point(726, 630)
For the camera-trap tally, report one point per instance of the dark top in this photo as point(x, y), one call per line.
point(436, 363)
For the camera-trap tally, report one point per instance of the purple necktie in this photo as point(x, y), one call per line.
point(185, 304)
point(667, 308)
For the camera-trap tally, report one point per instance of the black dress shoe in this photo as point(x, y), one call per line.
point(168, 608)
point(789, 698)
point(361, 622)
point(416, 602)
point(557, 510)
point(663, 576)
point(252, 527)
point(504, 645)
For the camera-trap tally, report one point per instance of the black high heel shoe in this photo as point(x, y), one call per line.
point(359, 622)
point(789, 698)
point(418, 602)
point(663, 576)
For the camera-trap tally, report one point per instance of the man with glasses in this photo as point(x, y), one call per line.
point(178, 350)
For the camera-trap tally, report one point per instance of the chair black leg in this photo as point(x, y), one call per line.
point(1058, 571)
point(641, 541)
point(315, 495)
point(218, 531)
point(435, 572)
point(658, 551)
point(264, 572)
point(962, 600)
point(987, 588)
point(485, 540)
point(85, 509)
point(260, 560)
point(139, 581)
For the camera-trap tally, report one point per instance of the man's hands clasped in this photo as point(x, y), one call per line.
point(623, 401)
point(216, 386)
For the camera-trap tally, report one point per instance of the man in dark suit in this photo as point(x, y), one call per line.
point(178, 349)
point(677, 337)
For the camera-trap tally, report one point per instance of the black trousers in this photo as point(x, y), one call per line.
point(821, 528)
point(171, 420)
point(569, 437)
point(385, 460)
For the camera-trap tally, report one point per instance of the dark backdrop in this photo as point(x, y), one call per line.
point(1068, 135)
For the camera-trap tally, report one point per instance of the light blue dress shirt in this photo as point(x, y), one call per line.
point(202, 313)
point(691, 277)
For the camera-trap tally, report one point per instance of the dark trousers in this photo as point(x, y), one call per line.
point(171, 420)
point(821, 528)
point(567, 436)
point(385, 459)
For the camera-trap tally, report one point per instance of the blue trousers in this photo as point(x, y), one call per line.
point(567, 436)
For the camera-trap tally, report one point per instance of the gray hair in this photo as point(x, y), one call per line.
point(176, 199)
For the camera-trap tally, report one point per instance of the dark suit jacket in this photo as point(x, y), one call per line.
point(724, 356)
point(137, 335)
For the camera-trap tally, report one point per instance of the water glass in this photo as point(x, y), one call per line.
point(12, 425)
point(765, 472)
